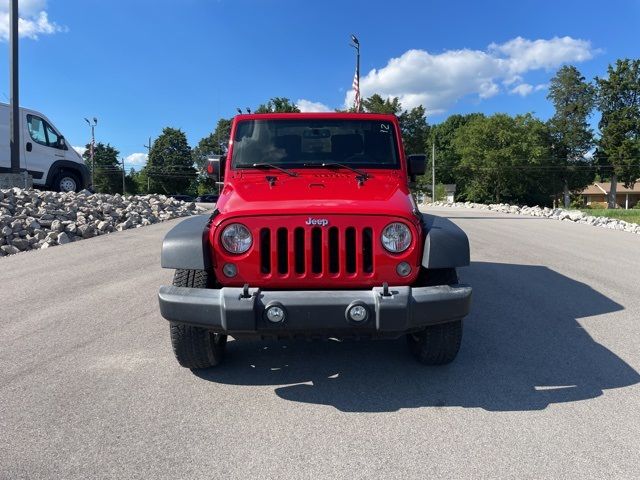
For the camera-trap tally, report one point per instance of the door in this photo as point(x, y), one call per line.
point(5, 134)
point(42, 145)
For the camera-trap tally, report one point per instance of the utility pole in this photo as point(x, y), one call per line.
point(124, 188)
point(14, 118)
point(148, 147)
point(92, 147)
point(433, 171)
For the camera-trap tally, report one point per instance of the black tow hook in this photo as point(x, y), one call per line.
point(245, 291)
point(385, 290)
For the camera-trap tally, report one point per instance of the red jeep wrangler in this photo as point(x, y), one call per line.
point(315, 234)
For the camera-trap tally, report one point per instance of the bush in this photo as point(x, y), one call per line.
point(636, 206)
point(597, 205)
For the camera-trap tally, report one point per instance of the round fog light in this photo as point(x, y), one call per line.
point(275, 314)
point(229, 270)
point(358, 313)
point(403, 269)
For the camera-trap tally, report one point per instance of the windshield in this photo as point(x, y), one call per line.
point(313, 142)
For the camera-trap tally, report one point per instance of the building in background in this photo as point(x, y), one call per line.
point(625, 197)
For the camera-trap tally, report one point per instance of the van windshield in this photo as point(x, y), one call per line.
point(313, 142)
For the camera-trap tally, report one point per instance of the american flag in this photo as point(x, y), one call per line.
point(91, 147)
point(356, 89)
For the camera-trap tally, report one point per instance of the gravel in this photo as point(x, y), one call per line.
point(34, 219)
point(575, 216)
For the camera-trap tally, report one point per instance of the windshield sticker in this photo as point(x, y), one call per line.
point(384, 128)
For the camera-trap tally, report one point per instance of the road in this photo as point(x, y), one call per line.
point(546, 384)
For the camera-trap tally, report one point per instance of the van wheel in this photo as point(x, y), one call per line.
point(66, 182)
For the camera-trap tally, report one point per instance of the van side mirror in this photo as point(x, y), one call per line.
point(62, 143)
point(416, 165)
point(214, 167)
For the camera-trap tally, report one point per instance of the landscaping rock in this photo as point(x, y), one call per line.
point(34, 219)
point(20, 243)
point(575, 216)
point(9, 249)
point(63, 238)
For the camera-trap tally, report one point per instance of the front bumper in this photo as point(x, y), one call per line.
point(315, 312)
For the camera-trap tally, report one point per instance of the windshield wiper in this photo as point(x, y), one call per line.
point(275, 167)
point(362, 176)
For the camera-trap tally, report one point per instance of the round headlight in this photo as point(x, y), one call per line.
point(236, 238)
point(396, 237)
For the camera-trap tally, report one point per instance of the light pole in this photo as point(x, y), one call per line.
point(14, 116)
point(93, 144)
point(124, 188)
point(355, 43)
point(433, 171)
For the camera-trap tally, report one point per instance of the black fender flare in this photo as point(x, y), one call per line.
point(446, 245)
point(62, 165)
point(185, 246)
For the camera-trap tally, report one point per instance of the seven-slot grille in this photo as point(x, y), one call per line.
point(316, 251)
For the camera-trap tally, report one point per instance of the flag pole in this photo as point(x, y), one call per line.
point(355, 43)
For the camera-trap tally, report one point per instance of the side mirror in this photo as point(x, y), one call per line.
point(215, 167)
point(416, 164)
point(62, 143)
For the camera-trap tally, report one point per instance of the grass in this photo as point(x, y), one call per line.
point(631, 216)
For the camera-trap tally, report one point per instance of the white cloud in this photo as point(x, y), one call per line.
point(80, 150)
point(525, 89)
point(33, 21)
point(135, 160)
point(438, 81)
point(523, 55)
point(309, 106)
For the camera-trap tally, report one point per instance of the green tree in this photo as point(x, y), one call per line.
point(170, 165)
point(107, 177)
point(618, 99)
point(447, 158)
point(142, 181)
point(501, 159)
point(573, 99)
point(131, 183)
point(376, 104)
point(415, 129)
point(278, 105)
point(213, 144)
point(413, 123)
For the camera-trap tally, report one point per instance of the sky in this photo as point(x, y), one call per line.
point(142, 65)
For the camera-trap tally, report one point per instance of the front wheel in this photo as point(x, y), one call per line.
point(195, 347)
point(66, 182)
point(436, 344)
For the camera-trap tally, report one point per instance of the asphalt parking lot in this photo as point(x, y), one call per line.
point(546, 384)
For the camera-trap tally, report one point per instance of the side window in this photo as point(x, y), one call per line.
point(37, 129)
point(54, 138)
point(43, 133)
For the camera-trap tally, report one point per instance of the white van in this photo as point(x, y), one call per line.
point(44, 153)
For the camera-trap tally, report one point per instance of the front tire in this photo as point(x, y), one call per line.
point(437, 344)
point(195, 347)
point(66, 181)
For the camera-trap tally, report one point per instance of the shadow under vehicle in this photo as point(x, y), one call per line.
point(523, 350)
